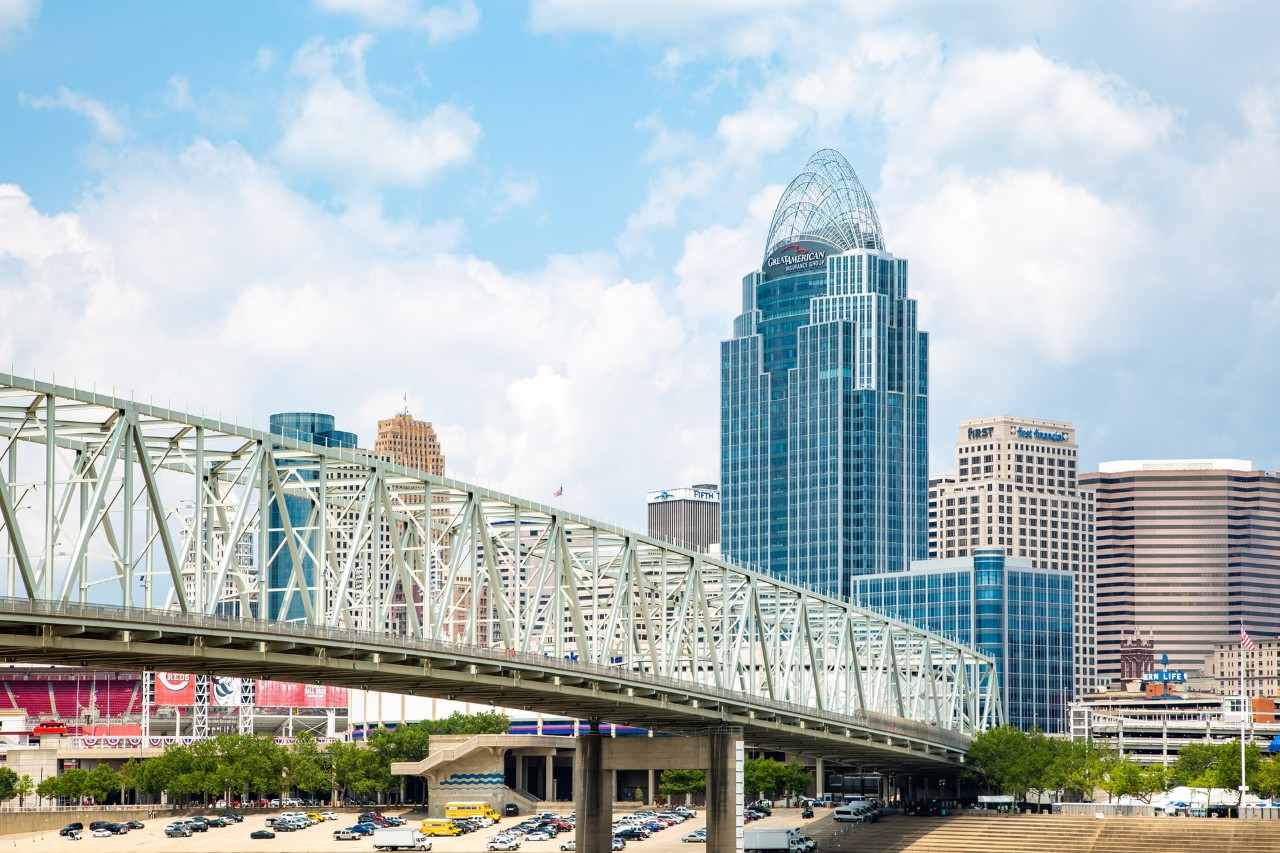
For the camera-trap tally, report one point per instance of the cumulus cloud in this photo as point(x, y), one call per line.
point(106, 125)
point(203, 280)
point(338, 130)
point(440, 23)
point(15, 17)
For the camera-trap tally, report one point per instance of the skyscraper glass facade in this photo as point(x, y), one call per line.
point(1001, 606)
point(824, 396)
point(314, 428)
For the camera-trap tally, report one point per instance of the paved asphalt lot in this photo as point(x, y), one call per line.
point(319, 838)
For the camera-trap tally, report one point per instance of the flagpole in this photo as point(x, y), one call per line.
point(1243, 705)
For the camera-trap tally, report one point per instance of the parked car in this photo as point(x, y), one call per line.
point(102, 832)
point(232, 817)
point(362, 829)
point(698, 836)
point(262, 833)
point(135, 824)
point(347, 835)
point(504, 844)
point(329, 815)
point(70, 828)
point(177, 830)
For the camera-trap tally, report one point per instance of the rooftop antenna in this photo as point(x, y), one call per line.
point(406, 403)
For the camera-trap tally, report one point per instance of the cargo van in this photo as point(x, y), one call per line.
point(855, 812)
point(471, 809)
point(437, 826)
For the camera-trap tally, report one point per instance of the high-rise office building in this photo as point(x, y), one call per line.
point(315, 428)
point(410, 442)
point(1186, 550)
point(1001, 606)
point(688, 517)
point(1016, 487)
point(823, 395)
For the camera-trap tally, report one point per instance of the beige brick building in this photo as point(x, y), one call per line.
point(1186, 548)
point(1015, 486)
point(411, 443)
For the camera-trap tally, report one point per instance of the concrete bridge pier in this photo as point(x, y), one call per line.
point(719, 751)
point(592, 802)
point(724, 791)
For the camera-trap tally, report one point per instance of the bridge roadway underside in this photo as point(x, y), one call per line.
point(107, 638)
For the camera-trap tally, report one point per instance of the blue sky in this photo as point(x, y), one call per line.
point(533, 218)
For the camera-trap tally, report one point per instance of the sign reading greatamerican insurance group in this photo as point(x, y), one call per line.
point(796, 257)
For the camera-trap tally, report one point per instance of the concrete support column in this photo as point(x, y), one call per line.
point(549, 792)
point(651, 791)
point(522, 784)
point(591, 802)
point(724, 791)
point(820, 778)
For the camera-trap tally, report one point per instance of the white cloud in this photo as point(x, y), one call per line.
point(106, 125)
point(338, 130)
point(440, 23)
point(15, 17)
point(205, 281)
point(178, 95)
point(263, 60)
point(667, 18)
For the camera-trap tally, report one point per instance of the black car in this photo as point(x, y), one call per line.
point(135, 824)
point(630, 834)
point(99, 824)
point(232, 817)
point(262, 833)
point(214, 821)
point(197, 825)
point(70, 828)
point(118, 828)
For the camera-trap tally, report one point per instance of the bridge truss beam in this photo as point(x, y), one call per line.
point(109, 501)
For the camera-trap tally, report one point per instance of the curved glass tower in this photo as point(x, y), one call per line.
point(824, 396)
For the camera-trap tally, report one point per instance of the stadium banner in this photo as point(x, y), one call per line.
point(286, 694)
point(175, 688)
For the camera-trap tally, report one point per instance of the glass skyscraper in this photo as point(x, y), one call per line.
point(1001, 606)
point(315, 428)
point(824, 396)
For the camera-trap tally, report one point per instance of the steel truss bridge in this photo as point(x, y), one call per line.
point(137, 536)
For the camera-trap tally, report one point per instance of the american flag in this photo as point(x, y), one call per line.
point(560, 493)
point(1245, 640)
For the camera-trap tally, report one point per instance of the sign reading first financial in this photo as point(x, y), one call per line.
point(799, 256)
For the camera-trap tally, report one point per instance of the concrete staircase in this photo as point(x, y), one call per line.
point(1012, 833)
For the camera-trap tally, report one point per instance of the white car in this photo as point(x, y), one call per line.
point(504, 844)
point(537, 835)
point(102, 833)
point(571, 844)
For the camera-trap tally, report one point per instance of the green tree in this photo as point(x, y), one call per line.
point(1077, 768)
point(676, 782)
point(26, 787)
point(794, 778)
point(8, 784)
point(761, 776)
point(1265, 780)
point(1003, 759)
point(305, 767)
point(256, 765)
point(358, 770)
point(50, 788)
point(101, 783)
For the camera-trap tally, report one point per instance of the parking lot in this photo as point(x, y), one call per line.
point(319, 838)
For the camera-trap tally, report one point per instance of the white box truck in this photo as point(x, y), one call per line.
point(399, 838)
point(769, 839)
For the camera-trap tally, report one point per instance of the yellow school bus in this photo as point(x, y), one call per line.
point(471, 810)
point(435, 826)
